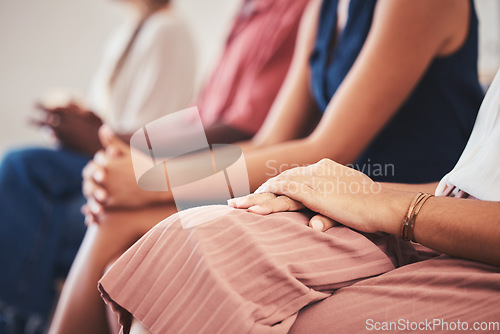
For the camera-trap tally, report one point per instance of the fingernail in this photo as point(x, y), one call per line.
point(100, 158)
point(261, 189)
point(90, 221)
point(236, 202)
point(258, 209)
point(105, 130)
point(113, 151)
point(99, 176)
point(100, 195)
point(231, 203)
point(317, 225)
point(94, 207)
point(255, 208)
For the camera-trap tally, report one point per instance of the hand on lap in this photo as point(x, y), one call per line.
point(337, 193)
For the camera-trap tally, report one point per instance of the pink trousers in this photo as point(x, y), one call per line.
point(245, 273)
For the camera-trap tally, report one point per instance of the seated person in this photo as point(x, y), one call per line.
point(148, 70)
point(237, 96)
point(378, 97)
point(358, 256)
point(247, 77)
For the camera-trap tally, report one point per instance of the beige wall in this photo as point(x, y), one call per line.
point(47, 43)
point(58, 43)
point(489, 37)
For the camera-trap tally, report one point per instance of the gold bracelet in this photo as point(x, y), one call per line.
point(408, 223)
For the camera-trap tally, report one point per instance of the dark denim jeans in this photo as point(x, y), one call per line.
point(41, 228)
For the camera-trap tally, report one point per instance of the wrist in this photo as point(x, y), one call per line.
point(159, 197)
point(391, 206)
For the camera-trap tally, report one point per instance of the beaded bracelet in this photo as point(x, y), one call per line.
point(408, 223)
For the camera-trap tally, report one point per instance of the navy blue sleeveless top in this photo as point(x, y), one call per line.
point(424, 140)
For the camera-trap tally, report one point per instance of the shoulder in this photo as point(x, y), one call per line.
point(443, 9)
point(166, 25)
point(431, 14)
point(309, 25)
point(312, 10)
point(166, 31)
point(444, 21)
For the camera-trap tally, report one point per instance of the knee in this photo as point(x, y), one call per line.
point(13, 164)
point(19, 160)
point(115, 228)
point(111, 263)
point(32, 167)
point(19, 169)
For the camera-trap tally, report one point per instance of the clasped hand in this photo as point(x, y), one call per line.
point(337, 193)
point(73, 126)
point(109, 181)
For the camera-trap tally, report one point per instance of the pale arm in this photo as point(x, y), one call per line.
point(221, 133)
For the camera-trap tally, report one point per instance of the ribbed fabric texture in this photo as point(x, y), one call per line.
point(441, 289)
point(243, 273)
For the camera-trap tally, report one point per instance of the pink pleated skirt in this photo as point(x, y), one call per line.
point(245, 273)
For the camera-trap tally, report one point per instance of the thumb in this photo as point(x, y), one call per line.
point(111, 142)
point(321, 223)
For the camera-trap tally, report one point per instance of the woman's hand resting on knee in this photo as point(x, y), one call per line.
point(459, 227)
point(337, 193)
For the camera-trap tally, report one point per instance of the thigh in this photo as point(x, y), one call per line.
point(36, 186)
point(72, 230)
point(437, 294)
point(260, 270)
point(55, 172)
point(134, 222)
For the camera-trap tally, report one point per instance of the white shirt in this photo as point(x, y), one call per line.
point(157, 78)
point(477, 172)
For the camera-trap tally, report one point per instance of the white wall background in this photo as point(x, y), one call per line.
point(58, 43)
point(489, 38)
point(47, 43)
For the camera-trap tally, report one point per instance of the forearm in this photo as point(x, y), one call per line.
point(125, 137)
point(463, 228)
point(459, 227)
point(221, 133)
point(266, 162)
point(429, 188)
point(137, 221)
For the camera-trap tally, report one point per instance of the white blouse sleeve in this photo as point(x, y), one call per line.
point(158, 76)
point(477, 172)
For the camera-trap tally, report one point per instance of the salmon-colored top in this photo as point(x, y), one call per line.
point(253, 65)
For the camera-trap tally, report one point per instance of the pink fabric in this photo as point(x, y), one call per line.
point(246, 273)
point(254, 64)
point(243, 273)
point(442, 289)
